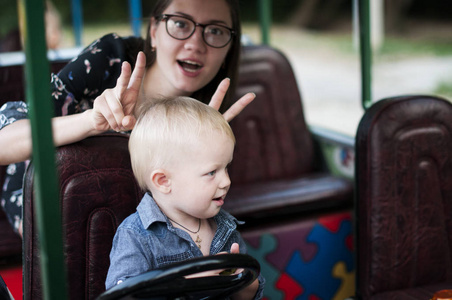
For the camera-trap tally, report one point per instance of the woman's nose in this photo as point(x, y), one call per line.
point(196, 41)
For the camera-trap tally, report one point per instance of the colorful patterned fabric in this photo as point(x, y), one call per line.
point(307, 259)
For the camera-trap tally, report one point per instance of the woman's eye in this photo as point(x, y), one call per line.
point(180, 24)
point(215, 30)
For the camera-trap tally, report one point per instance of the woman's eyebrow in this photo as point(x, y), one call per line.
point(208, 22)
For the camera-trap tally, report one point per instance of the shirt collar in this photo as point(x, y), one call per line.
point(149, 213)
point(226, 219)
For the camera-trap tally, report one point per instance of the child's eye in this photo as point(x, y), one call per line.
point(211, 173)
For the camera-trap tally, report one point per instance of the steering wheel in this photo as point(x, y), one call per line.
point(169, 282)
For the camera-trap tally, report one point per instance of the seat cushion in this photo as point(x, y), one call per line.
point(289, 196)
point(422, 292)
point(10, 241)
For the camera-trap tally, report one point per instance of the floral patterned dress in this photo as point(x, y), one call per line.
point(74, 90)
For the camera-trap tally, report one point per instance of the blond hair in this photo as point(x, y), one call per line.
point(169, 124)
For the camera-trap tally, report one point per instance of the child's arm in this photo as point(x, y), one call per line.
point(247, 293)
point(128, 257)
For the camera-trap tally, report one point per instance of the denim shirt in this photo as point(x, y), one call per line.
point(147, 240)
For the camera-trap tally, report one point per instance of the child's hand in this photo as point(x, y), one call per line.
point(234, 249)
point(205, 274)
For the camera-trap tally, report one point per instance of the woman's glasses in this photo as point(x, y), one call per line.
point(181, 28)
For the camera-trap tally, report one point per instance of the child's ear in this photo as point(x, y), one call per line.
point(161, 181)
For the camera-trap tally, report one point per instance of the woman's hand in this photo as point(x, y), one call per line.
point(237, 107)
point(113, 109)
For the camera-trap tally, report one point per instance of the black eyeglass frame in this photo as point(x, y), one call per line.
point(165, 17)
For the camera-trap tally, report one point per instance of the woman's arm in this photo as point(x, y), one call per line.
point(113, 109)
point(66, 130)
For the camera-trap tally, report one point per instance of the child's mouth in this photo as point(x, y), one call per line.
point(219, 200)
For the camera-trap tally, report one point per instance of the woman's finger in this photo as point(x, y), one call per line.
point(219, 94)
point(138, 72)
point(134, 86)
point(116, 109)
point(103, 117)
point(123, 80)
point(128, 122)
point(107, 106)
point(238, 106)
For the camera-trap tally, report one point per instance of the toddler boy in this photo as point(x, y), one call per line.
point(180, 150)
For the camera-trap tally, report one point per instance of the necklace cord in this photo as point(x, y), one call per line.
point(199, 225)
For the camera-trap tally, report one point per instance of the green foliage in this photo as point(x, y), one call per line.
point(394, 46)
point(8, 16)
point(281, 10)
point(104, 11)
point(444, 89)
point(98, 11)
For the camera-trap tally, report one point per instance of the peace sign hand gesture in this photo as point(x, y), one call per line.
point(113, 109)
point(237, 107)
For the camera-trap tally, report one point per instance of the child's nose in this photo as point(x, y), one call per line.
point(225, 181)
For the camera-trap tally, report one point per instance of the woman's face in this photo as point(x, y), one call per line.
point(185, 66)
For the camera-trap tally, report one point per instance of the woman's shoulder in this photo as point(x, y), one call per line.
point(114, 45)
point(131, 41)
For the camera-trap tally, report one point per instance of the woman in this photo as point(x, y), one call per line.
point(191, 46)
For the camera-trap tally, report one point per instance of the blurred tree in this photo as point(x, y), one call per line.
point(324, 14)
point(8, 16)
point(10, 36)
point(396, 13)
point(319, 14)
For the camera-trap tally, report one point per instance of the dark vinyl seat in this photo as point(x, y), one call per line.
point(97, 192)
point(273, 171)
point(276, 170)
point(404, 198)
point(10, 241)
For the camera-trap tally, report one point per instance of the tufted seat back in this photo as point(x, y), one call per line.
point(271, 132)
point(275, 171)
point(97, 191)
point(404, 198)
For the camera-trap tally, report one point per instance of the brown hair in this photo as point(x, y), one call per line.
point(231, 62)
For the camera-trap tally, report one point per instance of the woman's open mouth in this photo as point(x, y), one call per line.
point(189, 65)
